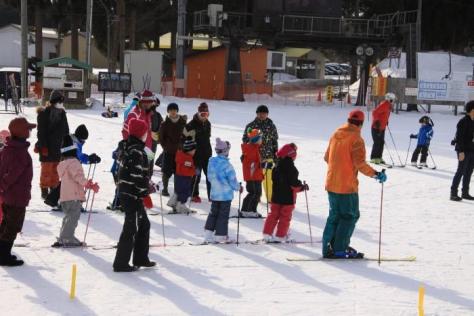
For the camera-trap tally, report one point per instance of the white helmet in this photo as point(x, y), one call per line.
point(390, 97)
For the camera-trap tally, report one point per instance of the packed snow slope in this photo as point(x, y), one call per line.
point(418, 219)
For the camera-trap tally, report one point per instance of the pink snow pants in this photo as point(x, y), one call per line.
point(280, 216)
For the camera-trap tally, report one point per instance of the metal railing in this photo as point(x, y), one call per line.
point(380, 26)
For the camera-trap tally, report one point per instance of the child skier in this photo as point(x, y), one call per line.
point(81, 134)
point(425, 134)
point(253, 173)
point(285, 187)
point(16, 173)
point(72, 193)
point(134, 187)
point(185, 171)
point(221, 175)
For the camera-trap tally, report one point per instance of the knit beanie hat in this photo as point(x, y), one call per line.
point(56, 96)
point(137, 128)
point(222, 147)
point(81, 132)
point(203, 107)
point(356, 117)
point(19, 127)
point(68, 147)
point(288, 150)
point(254, 135)
point(147, 97)
point(172, 106)
point(262, 109)
point(189, 144)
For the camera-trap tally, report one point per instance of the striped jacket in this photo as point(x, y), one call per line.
point(133, 170)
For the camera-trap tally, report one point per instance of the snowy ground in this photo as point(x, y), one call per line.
point(258, 280)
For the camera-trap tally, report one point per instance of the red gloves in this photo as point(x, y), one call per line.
point(147, 202)
point(92, 186)
point(41, 150)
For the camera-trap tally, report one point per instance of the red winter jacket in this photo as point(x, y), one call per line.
point(251, 162)
point(16, 173)
point(380, 115)
point(138, 113)
point(184, 164)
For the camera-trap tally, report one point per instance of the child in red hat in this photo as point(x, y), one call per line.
point(285, 186)
point(16, 173)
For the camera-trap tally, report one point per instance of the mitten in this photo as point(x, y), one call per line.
point(381, 176)
point(93, 159)
point(147, 202)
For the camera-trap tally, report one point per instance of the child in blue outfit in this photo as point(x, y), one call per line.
point(221, 175)
point(425, 134)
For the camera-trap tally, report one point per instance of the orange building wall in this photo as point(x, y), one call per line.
point(206, 73)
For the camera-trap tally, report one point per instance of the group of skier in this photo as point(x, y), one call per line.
point(187, 153)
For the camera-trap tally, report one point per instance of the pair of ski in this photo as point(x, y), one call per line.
point(420, 167)
point(94, 247)
point(382, 259)
point(172, 213)
point(252, 242)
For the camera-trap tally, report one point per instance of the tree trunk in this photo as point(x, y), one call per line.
point(121, 13)
point(39, 31)
point(114, 49)
point(75, 37)
point(133, 28)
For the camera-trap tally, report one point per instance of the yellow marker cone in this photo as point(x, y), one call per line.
point(421, 298)
point(72, 293)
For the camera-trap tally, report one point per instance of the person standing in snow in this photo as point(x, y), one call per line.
point(345, 157)
point(79, 138)
point(269, 145)
point(16, 173)
point(52, 127)
point(4, 135)
point(156, 120)
point(285, 186)
point(73, 183)
point(253, 174)
point(134, 186)
point(380, 117)
point(223, 184)
point(185, 171)
point(170, 136)
point(465, 152)
point(200, 129)
point(142, 111)
point(424, 136)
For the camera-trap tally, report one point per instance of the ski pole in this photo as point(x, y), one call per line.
point(266, 187)
point(89, 218)
point(434, 163)
point(380, 224)
point(92, 179)
point(89, 171)
point(238, 213)
point(408, 152)
point(307, 212)
point(162, 219)
point(192, 192)
point(394, 145)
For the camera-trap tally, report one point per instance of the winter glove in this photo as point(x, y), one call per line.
point(267, 165)
point(147, 202)
point(43, 151)
point(377, 125)
point(153, 187)
point(150, 154)
point(305, 187)
point(413, 136)
point(381, 177)
point(93, 159)
point(92, 186)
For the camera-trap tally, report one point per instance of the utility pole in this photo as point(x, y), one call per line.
point(181, 28)
point(24, 49)
point(90, 5)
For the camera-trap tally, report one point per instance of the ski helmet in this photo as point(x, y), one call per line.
point(390, 97)
point(426, 120)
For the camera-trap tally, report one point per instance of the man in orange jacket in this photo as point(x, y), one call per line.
point(345, 157)
point(380, 116)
